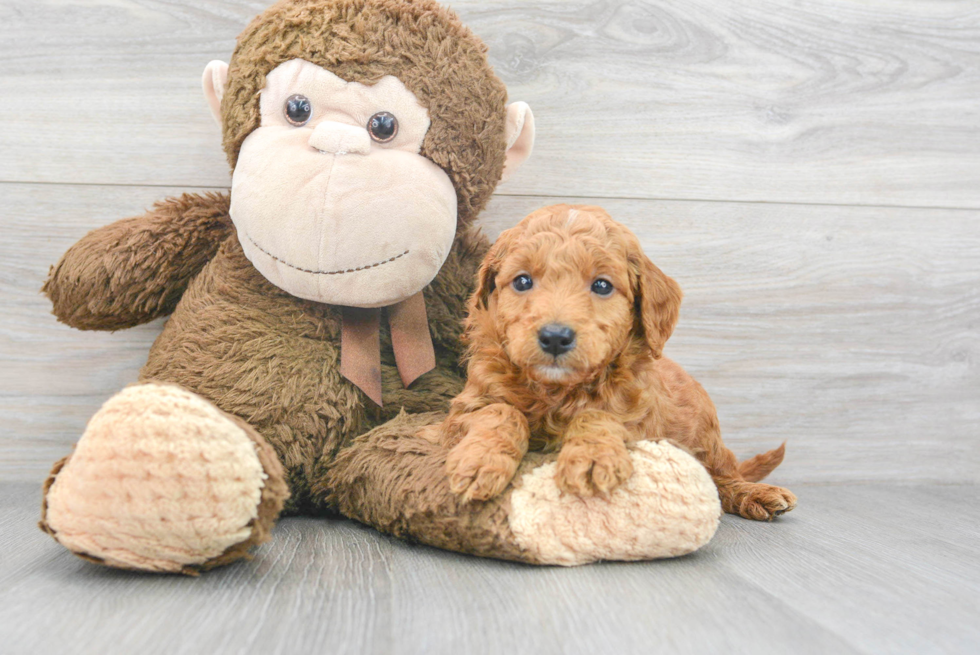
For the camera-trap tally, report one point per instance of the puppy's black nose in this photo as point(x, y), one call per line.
point(556, 339)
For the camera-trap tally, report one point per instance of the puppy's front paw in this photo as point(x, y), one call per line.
point(477, 470)
point(588, 469)
point(764, 502)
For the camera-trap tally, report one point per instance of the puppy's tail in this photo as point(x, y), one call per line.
point(758, 467)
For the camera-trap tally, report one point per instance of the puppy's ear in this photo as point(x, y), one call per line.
point(487, 281)
point(487, 277)
point(657, 299)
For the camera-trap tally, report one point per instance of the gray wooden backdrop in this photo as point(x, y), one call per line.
point(808, 170)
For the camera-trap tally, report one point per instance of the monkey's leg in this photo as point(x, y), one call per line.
point(394, 478)
point(162, 480)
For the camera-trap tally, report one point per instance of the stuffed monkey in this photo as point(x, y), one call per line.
point(315, 317)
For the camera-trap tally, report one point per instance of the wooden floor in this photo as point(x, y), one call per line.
point(808, 170)
point(857, 569)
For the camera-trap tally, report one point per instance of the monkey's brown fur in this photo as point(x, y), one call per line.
point(253, 350)
point(616, 389)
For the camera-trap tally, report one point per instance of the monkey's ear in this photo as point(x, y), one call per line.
point(214, 80)
point(519, 134)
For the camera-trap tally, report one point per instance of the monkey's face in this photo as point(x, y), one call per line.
point(330, 196)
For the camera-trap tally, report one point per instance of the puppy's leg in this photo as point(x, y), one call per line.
point(593, 458)
point(494, 442)
point(751, 500)
point(754, 500)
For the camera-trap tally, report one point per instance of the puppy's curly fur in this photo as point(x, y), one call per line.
point(597, 381)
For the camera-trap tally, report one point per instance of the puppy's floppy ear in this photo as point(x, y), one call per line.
point(487, 281)
point(487, 277)
point(657, 299)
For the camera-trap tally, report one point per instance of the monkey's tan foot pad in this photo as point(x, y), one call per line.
point(162, 480)
point(668, 507)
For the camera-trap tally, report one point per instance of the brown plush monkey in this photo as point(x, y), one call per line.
point(365, 136)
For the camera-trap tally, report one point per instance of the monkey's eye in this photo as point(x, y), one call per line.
point(382, 127)
point(602, 287)
point(522, 283)
point(298, 110)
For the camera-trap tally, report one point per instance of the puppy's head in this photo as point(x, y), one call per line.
point(566, 291)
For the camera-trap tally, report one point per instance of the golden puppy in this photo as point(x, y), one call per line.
point(565, 335)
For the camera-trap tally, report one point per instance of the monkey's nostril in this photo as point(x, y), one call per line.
point(556, 339)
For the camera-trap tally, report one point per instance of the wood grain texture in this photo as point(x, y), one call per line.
point(855, 569)
point(821, 101)
point(853, 333)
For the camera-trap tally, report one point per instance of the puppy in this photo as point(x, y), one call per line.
point(565, 335)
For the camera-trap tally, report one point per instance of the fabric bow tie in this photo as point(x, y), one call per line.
point(360, 344)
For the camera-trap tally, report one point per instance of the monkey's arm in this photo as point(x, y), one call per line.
point(135, 270)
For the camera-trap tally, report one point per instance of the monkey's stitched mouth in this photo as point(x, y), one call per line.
point(337, 272)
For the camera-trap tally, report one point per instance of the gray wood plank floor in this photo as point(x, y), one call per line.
point(856, 569)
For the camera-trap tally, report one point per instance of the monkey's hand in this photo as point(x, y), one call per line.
point(135, 270)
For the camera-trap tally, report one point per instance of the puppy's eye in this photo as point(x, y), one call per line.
point(382, 127)
point(602, 287)
point(522, 283)
point(298, 110)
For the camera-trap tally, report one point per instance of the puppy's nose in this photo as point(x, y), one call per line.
point(556, 339)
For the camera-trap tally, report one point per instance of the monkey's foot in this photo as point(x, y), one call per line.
point(666, 508)
point(162, 480)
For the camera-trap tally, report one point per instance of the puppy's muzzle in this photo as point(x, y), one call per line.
point(556, 339)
